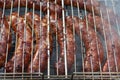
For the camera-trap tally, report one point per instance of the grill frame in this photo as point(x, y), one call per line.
point(75, 73)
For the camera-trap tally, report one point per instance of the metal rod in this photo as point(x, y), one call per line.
point(89, 75)
point(82, 48)
point(88, 36)
point(104, 35)
point(73, 35)
point(112, 37)
point(7, 43)
point(96, 38)
point(56, 37)
point(32, 40)
point(48, 36)
point(40, 36)
point(25, 28)
point(16, 37)
point(64, 32)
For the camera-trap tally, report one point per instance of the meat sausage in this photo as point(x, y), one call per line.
point(40, 59)
point(16, 62)
point(54, 8)
point(91, 40)
point(112, 42)
point(5, 39)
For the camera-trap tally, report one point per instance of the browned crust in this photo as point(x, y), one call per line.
point(26, 45)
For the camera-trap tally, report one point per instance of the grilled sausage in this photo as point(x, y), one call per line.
point(90, 39)
point(5, 39)
point(93, 5)
point(53, 7)
point(70, 45)
point(112, 42)
point(88, 4)
point(81, 4)
point(24, 40)
point(40, 59)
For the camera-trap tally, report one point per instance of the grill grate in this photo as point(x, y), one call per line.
point(77, 71)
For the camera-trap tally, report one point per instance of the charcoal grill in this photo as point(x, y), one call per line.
point(77, 71)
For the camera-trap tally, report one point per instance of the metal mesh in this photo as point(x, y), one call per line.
point(77, 71)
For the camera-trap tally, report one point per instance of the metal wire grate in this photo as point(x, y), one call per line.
point(77, 71)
